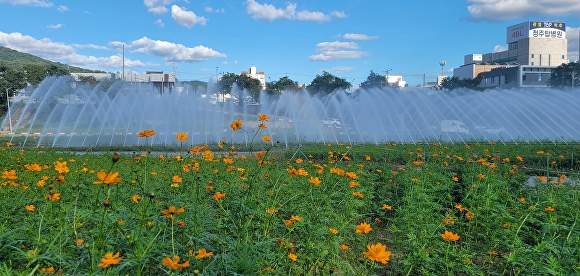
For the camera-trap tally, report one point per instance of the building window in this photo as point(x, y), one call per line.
point(532, 63)
point(562, 56)
point(532, 55)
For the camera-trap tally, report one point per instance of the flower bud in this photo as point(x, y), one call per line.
point(115, 157)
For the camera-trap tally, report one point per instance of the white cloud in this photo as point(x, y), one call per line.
point(270, 12)
point(56, 51)
point(334, 55)
point(503, 10)
point(118, 45)
point(186, 18)
point(342, 69)
point(159, 23)
point(333, 46)
point(336, 50)
point(57, 26)
point(172, 52)
point(573, 40)
point(338, 14)
point(499, 48)
point(157, 6)
point(312, 16)
point(37, 3)
point(89, 46)
point(359, 37)
point(62, 8)
point(209, 9)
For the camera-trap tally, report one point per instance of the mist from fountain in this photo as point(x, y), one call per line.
point(62, 113)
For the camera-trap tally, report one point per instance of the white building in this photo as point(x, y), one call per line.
point(256, 75)
point(396, 81)
point(534, 47)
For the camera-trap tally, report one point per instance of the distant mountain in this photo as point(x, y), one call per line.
point(17, 60)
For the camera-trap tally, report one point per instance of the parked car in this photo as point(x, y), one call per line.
point(331, 122)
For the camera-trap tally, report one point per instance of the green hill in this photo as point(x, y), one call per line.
point(18, 60)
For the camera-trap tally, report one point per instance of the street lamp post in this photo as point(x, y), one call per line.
point(9, 115)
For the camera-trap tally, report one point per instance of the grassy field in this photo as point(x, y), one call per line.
point(388, 209)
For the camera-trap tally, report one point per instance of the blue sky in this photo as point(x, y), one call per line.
point(299, 39)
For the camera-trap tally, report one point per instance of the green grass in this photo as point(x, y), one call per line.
point(409, 194)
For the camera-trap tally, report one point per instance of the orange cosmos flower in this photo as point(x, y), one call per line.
point(351, 175)
point(52, 197)
point(315, 181)
point(135, 198)
point(110, 259)
point(450, 236)
point(292, 256)
point(207, 155)
point(176, 179)
point(202, 253)
point(218, 195)
point(146, 133)
point(171, 210)
point(236, 125)
point(107, 178)
point(47, 270)
point(549, 209)
point(61, 167)
point(343, 247)
point(271, 211)
point(295, 218)
point(333, 231)
point(358, 194)
point(11, 174)
point(262, 126)
point(181, 137)
point(263, 117)
point(30, 208)
point(174, 263)
point(387, 207)
point(266, 138)
point(377, 252)
point(363, 228)
point(34, 167)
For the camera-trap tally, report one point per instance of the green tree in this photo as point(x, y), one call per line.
point(11, 81)
point(281, 85)
point(374, 80)
point(226, 82)
point(327, 83)
point(565, 75)
point(455, 82)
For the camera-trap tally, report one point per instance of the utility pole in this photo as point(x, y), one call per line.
point(387, 75)
point(9, 115)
